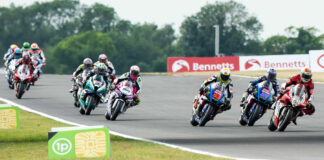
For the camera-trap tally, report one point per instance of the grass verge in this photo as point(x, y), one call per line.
point(30, 142)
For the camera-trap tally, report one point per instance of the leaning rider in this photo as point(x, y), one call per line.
point(223, 77)
point(86, 66)
point(304, 78)
point(270, 76)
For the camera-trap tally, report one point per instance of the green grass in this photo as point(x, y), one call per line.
point(30, 142)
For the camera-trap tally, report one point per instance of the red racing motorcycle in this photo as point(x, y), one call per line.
point(22, 80)
point(288, 107)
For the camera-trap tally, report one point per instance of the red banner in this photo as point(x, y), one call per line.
point(202, 64)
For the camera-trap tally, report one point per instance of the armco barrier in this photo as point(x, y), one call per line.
point(202, 64)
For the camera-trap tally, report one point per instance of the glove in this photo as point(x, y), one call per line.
point(112, 86)
point(250, 90)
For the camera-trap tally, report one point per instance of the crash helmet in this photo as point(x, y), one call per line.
point(26, 45)
point(271, 74)
point(306, 74)
point(17, 53)
point(102, 58)
point(13, 47)
point(134, 72)
point(26, 56)
point(87, 62)
point(34, 46)
point(101, 68)
point(225, 74)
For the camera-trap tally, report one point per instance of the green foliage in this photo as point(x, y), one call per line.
point(237, 30)
point(70, 52)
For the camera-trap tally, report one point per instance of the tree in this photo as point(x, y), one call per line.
point(237, 29)
point(276, 45)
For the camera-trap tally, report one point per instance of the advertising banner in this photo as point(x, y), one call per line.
point(9, 117)
point(279, 62)
point(202, 64)
point(317, 60)
point(78, 142)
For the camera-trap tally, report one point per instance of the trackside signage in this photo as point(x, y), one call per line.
point(202, 64)
point(317, 60)
point(78, 142)
point(9, 117)
point(279, 62)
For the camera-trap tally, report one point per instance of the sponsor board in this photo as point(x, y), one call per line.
point(78, 142)
point(279, 62)
point(202, 64)
point(317, 60)
point(9, 117)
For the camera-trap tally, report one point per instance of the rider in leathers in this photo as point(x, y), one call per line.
point(270, 76)
point(9, 54)
point(224, 78)
point(87, 65)
point(135, 78)
point(304, 78)
point(110, 67)
point(27, 61)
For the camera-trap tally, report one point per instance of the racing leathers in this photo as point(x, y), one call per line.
point(137, 85)
point(199, 102)
point(110, 69)
point(310, 108)
point(78, 71)
point(38, 54)
point(253, 85)
point(8, 56)
point(31, 65)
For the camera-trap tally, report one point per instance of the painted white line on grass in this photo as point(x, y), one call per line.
point(119, 134)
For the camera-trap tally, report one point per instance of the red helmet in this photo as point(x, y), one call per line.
point(306, 74)
point(87, 62)
point(102, 58)
point(134, 72)
point(34, 46)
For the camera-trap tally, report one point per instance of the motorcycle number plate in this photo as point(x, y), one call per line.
point(217, 94)
point(265, 91)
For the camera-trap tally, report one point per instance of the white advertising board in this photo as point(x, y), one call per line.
point(279, 62)
point(317, 60)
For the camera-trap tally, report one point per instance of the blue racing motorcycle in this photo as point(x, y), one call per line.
point(257, 103)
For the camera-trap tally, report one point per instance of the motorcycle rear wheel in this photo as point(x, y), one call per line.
point(272, 127)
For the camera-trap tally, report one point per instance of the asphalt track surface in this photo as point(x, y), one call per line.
point(164, 114)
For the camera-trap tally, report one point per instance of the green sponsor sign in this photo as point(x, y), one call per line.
point(9, 117)
point(78, 142)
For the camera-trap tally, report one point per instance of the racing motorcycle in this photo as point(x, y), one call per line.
point(78, 86)
point(288, 107)
point(120, 100)
point(10, 73)
point(22, 80)
point(95, 90)
point(257, 103)
point(215, 100)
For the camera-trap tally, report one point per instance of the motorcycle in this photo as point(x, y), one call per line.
point(215, 98)
point(10, 73)
point(288, 107)
point(257, 103)
point(95, 90)
point(120, 100)
point(22, 79)
point(78, 86)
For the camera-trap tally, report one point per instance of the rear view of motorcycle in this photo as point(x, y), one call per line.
point(288, 108)
point(120, 100)
point(90, 97)
point(214, 98)
point(257, 103)
point(10, 73)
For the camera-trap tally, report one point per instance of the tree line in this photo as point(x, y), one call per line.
point(69, 31)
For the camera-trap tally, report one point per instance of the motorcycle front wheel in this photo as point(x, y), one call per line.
point(20, 90)
point(285, 120)
point(207, 115)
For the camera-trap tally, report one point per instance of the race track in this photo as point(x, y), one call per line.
point(164, 114)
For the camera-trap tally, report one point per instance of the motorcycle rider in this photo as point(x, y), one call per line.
point(86, 65)
point(100, 70)
point(27, 61)
point(16, 55)
point(223, 77)
point(10, 52)
point(110, 67)
point(26, 46)
point(271, 76)
point(304, 78)
point(133, 76)
point(36, 51)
